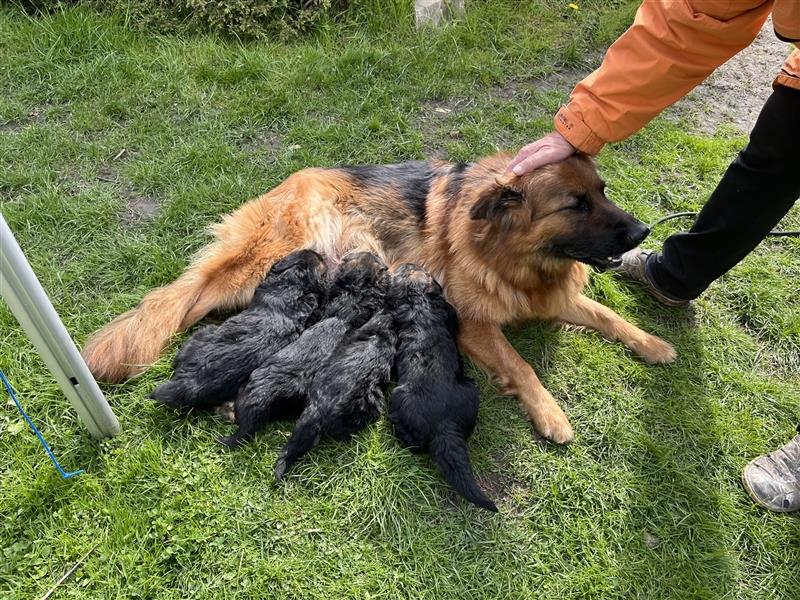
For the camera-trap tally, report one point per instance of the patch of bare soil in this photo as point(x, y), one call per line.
point(264, 142)
point(37, 114)
point(10, 127)
point(138, 208)
point(735, 93)
point(433, 118)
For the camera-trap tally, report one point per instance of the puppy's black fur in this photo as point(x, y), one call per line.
point(278, 388)
point(435, 405)
point(214, 363)
point(346, 394)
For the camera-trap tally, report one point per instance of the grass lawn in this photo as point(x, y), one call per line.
point(646, 503)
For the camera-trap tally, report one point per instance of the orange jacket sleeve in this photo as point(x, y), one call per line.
point(790, 73)
point(672, 46)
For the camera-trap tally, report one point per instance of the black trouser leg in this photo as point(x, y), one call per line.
point(757, 190)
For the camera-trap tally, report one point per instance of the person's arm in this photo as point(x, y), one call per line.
point(790, 73)
point(672, 46)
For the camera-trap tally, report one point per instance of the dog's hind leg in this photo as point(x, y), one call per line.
point(224, 275)
point(450, 453)
point(176, 393)
point(268, 396)
point(304, 438)
point(588, 313)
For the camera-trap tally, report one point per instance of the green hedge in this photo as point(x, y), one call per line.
point(238, 18)
point(241, 18)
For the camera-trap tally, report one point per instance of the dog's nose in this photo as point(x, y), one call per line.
point(637, 233)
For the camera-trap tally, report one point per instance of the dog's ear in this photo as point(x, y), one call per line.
point(495, 201)
point(292, 260)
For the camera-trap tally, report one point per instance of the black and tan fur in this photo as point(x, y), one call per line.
point(505, 249)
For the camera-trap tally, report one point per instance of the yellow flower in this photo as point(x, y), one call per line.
point(573, 6)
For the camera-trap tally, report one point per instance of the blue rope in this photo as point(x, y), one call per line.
point(38, 433)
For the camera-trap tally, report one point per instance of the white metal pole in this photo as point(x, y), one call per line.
point(29, 303)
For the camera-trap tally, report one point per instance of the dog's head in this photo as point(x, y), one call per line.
point(411, 279)
point(304, 269)
point(558, 211)
point(358, 288)
point(360, 273)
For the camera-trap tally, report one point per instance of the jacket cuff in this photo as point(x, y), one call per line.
point(576, 131)
point(783, 79)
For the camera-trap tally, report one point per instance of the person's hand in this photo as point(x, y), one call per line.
point(549, 149)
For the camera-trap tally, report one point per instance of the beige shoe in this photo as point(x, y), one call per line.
point(773, 481)
point(632, 266)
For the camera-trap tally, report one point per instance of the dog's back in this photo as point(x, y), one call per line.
point(346, 393)
point(348, 388)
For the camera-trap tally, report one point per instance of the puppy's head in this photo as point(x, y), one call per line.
point(361, 271)
point(559, 211)
point(412, 280)
point(413, 290)
point(303, 268)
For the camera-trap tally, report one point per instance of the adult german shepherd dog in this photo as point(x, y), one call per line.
point(504, 248)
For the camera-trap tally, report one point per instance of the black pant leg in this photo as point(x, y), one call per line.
point(757, 190)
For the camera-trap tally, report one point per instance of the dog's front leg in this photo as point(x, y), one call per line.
point(588, 313)
point(485, 345)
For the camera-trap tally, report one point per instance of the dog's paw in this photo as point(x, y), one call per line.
point(280, 469)
point(548, 419)
point(226, 412)
point(231, 441)
point(655, 351)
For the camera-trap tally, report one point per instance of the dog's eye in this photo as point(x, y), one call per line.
point(581, 203)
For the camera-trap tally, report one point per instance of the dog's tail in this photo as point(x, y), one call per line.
point(224, 275)
point(127, 345)
point(450, 453)
point(305, 438)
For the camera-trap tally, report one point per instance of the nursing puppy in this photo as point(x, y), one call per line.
point(346, 394)
point(217, 360)
point(434, 406)
point(277, 388)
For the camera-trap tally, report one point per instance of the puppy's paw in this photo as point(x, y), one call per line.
point(548, 418)
point(654, 350)
point(231, 441)
point(280, 469)
point(226, 412)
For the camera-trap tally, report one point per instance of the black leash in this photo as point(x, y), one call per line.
point(773, 233)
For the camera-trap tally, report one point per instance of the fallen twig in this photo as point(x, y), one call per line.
point(68, 573)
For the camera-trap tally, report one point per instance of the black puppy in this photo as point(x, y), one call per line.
point(435, 405)
point(277, 389)
point(217, 360)
point(346, 394)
